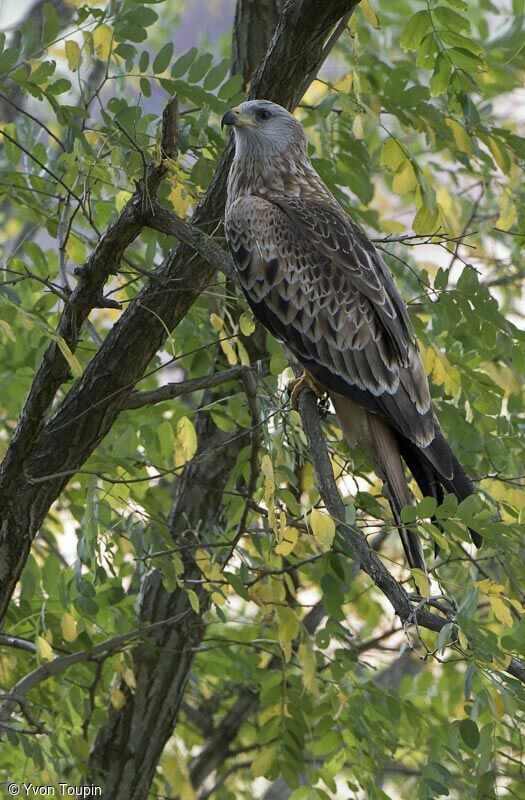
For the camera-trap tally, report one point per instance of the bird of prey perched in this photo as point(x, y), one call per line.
point(317, 283)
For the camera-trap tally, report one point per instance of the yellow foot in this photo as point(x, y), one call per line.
point(306, 381)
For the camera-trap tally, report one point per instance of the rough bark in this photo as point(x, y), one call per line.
point(253, 27)
point(128, 747)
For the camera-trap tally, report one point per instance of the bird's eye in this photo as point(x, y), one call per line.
point(263, 114)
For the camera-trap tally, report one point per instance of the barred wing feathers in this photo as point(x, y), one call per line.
point(317, 283)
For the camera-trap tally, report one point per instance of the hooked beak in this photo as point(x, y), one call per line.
point(235, 117)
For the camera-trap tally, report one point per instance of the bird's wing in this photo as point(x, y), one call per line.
point(316, 282)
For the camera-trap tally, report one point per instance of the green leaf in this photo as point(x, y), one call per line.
point(162, 59)
point(465, 59)
point(426, 507)
point(183, 63)
point(418, 25)
point(441, 75)
point(231, 87)
point(469, 733)
point(142, 16)
point(216, 75)
point(199, 68)
point(450, 19)
point(444, 637)
point(51, 23)
point(144, 61)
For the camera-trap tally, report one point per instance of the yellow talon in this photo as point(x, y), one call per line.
point(306, 381)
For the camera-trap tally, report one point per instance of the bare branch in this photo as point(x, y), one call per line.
point(61, 663)
point(171, 390)
point(358, 544)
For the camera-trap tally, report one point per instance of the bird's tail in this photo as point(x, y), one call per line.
point(387, 449)
point(436, 470)
point(374, 435)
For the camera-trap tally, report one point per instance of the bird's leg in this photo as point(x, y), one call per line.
point(305, 381)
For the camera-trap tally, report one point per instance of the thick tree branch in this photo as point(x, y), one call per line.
point(87, 295)
point(164, 221)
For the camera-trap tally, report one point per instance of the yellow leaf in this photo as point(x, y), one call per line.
point(307, 661)
point(370, 14)
point(501, 610)
point(269, 712)
point(287, 630)
point(261, 765)
point(117, 698)
point(185, 441)
point(461, 137)
point(176, 771)
point(73, 55)
point(179, 196)
point(422, 582)
point(246, 324)
point(44, 649)
point(218, 598)
point(193, 597)
point(498, 703)
point(71, 359)
point(405, 178)
point(287, 541)
point(102, 38)
point(229, 351)
point(507, 210)
point(500, 155)
point(6, 327)
point(439, 368)
point(269, 490)
point(267, 467)
point(121, 198)
point(69, 627)
point(203, 561)
point(487, 586)
point(392, 155)
point(76, 249)
point(323, 528)
point(244, 358)
point(217, 322)
point(357, 125)
point(425, 221)
point(290, 585)
point(129, 677)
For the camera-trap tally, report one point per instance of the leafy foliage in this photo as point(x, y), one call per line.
point(414, 128)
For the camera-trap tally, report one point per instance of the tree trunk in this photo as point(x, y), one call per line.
point(128, 748)
point(253, 28)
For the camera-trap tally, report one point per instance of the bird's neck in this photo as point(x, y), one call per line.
point(291, 174)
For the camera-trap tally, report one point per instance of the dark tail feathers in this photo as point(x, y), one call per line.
point(436, 470)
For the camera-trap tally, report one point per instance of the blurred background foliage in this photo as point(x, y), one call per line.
point(415, 122)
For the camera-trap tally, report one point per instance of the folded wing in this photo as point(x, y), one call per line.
point(317, 283)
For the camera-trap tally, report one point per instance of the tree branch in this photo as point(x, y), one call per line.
point(358, 544)
point(61, 663)
point(171, 390)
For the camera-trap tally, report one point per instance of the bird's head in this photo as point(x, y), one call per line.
point(264, 129)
